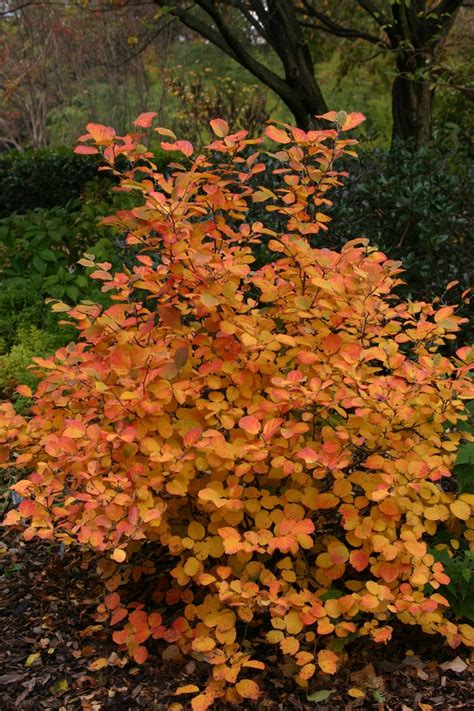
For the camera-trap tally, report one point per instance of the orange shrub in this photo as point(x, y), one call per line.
point(271, 444)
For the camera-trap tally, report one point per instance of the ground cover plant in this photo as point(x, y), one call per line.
point(263, 456)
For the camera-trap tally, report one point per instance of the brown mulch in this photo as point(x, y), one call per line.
point(48, 643)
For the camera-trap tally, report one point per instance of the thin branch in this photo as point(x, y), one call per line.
point(141, 49)
point(335, 28)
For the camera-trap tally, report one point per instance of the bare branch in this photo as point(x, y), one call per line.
point(336, 28)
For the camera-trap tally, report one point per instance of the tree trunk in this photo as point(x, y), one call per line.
point(301, 92)
point(304, 99)
point(412, 101)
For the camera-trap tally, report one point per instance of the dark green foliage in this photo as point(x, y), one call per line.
point(464, 467)
point(416, 207)
point(38, 260)
point(52, 177)
point(43, 178)
point(460, 591)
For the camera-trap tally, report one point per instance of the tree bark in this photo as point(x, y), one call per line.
point(412, 103)
point(303, 95)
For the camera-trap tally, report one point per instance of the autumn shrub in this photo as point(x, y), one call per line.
point(262, 455)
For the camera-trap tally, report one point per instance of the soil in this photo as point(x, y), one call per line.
point(49, 640)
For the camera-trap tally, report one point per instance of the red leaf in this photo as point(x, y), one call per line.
point(145, 120)
point(85, 150)
point(250, 424)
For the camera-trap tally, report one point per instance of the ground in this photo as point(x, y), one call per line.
point(48, 643)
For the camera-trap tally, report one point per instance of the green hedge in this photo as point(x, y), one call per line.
point(416, 207)
point(52, 177)
point(43, 178)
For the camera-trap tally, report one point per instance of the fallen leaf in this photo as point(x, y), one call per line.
point(456, 665)
point(187, 689)
point(31, 659)
point(60, 685)
point(98, 664)
point(356, 693)
point(320, 695)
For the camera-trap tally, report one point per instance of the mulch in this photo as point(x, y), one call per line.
point(49, 640)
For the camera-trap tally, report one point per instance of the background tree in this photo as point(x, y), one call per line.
point(413, 30)
point(240, 27)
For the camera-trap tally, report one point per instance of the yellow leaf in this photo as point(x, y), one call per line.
point(461, 510)
point(293, 622)
point(203, 644)
point(356, 693)
point(31, 659)
point(118, 555)
point(187, 689)
point(327, 661)
point(192, 567)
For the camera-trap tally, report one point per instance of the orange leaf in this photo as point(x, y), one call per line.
point(248, 689)
point(186, 689)
point(359, 560)
point(112, 601)
point(202, 702)
point(327, 661)
point(249, 424)
point(220, 127)
point(277, 134)
point(140, 654)
point(103, 135)
point(145, 120)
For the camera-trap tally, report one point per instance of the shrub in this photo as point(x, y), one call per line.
point(264, 453)
point(51, 177)
point(38, 257)
point(42, 178)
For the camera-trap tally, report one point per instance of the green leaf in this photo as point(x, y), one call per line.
point(320, 695)
point(465, 477)
point(72, 292)
point(332, 594)
point(465, 454)
point(60, 685)
point(47, 255)
point(38, 264)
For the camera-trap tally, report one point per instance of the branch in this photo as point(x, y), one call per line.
point(227, 41)
point(375, 12)
point(447, 8)
point(335, 28)
point(141, 49)
point(64, 3)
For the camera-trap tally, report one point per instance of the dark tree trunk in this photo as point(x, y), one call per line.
point(412, 102)
point(301, 93)
point(304, 98)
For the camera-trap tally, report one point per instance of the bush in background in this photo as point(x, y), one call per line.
point(416, 207)
point(42, 178)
